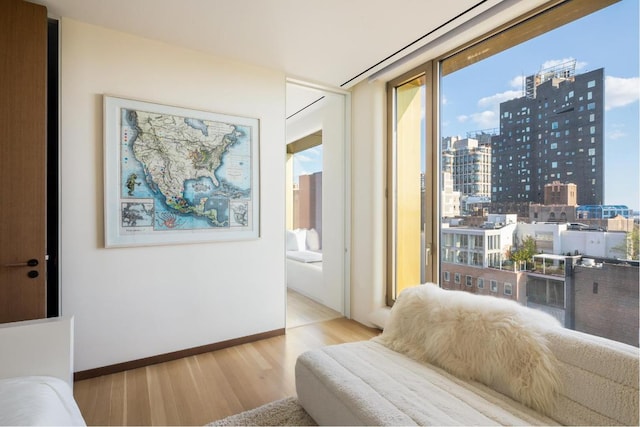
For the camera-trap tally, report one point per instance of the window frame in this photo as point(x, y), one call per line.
point(431, 205)
point(509, 286)
point(531, 24)
point(493, 286)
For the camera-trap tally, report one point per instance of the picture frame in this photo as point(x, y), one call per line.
point(176, 175)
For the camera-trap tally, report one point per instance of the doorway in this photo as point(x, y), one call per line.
point(317, 193)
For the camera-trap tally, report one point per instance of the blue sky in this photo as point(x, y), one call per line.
point(607, 39)
point(307, 162)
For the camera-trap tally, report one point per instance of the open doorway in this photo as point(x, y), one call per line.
point(305, 279)
point(316, 243)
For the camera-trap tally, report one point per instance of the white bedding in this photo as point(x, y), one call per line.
point(37, 400)
point(305, 256)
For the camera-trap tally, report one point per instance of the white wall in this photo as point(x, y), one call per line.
point(368, 204)
point(328, 115)
point(594, 243)
point(138, 302)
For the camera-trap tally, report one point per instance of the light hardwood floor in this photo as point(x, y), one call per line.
point(302, 310)
point(203, 388)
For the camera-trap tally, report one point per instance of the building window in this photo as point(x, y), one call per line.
point(446, 276)
point(480, 283)
point(595, 287)
point(508, 288)
point(469, 281)
point(493, 286)
point(456, 278)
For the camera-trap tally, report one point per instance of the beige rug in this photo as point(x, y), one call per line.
point(284, 412)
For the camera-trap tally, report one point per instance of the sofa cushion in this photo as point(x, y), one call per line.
point(599, 380)
point(365, 383)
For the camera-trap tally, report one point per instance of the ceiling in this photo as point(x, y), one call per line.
point(335, 43)
point(325, 41)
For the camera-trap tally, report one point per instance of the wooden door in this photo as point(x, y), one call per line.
point(23, 43)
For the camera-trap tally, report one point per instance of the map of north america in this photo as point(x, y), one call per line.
point(196, 172)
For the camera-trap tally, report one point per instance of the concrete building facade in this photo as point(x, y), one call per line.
point(469, 163)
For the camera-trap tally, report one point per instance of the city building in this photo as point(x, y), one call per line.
point(579, 276)
point(602, 211)
point(552, 133)
point(502, 283)
point(309, 202)
point(450, 198)
point(606, 299)
point(481, 247)
point(469, 163)
point(557, 193)
point(560, 203)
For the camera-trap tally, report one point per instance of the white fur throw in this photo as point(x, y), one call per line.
point(491, 340)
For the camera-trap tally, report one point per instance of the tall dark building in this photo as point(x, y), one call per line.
point(553, 133)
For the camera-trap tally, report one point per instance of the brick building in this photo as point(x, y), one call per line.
point(606, 300)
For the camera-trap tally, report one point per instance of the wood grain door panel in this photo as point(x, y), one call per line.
point(23, 43)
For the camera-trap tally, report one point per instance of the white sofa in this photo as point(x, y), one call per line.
point(36, 373)
point(454, 358)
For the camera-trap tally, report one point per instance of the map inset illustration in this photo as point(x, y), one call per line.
point(179, 173)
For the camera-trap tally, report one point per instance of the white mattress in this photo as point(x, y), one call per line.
point(29, 401)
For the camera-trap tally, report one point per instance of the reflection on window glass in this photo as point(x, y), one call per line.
point(543, 158)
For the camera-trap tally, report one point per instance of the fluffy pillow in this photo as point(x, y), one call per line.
point(491, 340)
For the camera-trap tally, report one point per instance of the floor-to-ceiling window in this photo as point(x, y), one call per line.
point(516, 137)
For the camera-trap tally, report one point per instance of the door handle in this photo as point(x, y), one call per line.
point(31, 263)
point(427, 254)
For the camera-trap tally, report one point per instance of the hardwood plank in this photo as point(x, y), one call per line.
point(138, 405)
point(198, 389)
point(302, 310)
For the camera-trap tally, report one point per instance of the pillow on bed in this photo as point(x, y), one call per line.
point(313, 240)
point(301, 238)
point(291, 241)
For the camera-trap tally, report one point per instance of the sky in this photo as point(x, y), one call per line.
point(606, 39)
point(307, 162)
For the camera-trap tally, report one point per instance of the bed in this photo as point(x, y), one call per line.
point(304, 264)
point(36, 373)
point(305, 278)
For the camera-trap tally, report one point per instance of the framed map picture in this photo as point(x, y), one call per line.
point(174, 175)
